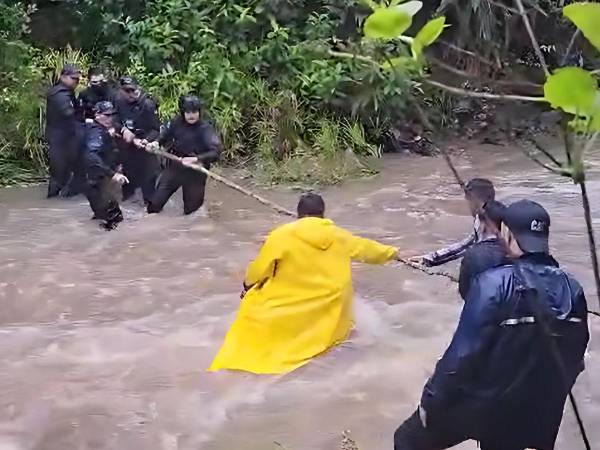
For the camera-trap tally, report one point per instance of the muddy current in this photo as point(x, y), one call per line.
point(105, 337)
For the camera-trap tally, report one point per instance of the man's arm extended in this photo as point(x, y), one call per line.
point(450, 252)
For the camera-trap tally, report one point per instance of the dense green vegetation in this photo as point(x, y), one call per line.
point(286, 104)
point(262, 67)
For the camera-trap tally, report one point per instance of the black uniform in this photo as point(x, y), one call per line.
point(141, 118)
point(100, 163)
point(484, 255)
point(94, 94)
point(64, 130)
point(186, 140)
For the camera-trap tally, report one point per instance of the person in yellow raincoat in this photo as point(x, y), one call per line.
point(298, 294)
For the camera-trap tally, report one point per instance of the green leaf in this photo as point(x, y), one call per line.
point(387, 23)
point(427, 35)
point(573, 90)
point(410, 8)
point(586, 17)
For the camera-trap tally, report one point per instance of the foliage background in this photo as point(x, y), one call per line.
point(285, 107)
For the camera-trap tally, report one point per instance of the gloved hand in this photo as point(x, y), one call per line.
point(189, 160)
point(120, 179)
point(140, 143)
point(127, 134)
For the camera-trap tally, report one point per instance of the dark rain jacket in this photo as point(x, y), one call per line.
point(62, 112)
point(140, 117)
point(484, 255)
point(184, 139)
point(499, 380)
point(100, 153)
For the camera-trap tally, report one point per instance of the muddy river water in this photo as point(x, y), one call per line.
point(105, 336)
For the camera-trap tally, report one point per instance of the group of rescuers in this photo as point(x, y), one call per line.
point(521, 337)
point(99, 138)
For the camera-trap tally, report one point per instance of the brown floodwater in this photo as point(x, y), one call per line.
point(105, 336)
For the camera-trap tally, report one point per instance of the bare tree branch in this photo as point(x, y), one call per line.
point(557, 170)
point(570, 47)
point(534, 42)
point(501, 6)
point(466, 52)
point(353, 56)
point(591, 237)
point(538, 8)
point(541, 149)
point(464, 74)
point(459, 91)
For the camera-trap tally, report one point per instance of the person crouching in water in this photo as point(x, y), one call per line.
point(100, 156)
point(297, 299)
point(196, 142)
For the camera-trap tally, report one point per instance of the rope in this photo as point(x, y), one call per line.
point(200, 168)
point(415, 266)
point(280, 209)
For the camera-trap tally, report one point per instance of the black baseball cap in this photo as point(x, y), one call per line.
point(70, 70)
point(105, 107)
point(127, 82)
point(530, 224)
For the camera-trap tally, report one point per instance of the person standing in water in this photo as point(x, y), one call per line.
point(489, 252)
point(138, 115)
point(100, 157)
point(63, 132)
point(515, 355)
point(98, 90)
point(297, 299)
point(478, 192)
point(194, 140)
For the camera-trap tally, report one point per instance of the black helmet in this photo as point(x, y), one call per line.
point(189, 103)
point(104, 107)
point(128, 82)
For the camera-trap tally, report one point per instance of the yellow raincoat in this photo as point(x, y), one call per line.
point(300, 304)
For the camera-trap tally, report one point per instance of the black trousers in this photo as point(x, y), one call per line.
point(103, 202)
point(141, 169)
point(172, 178)
point(412, 435)
point(66, 169)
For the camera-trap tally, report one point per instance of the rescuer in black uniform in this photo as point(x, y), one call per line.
point(64, 131)
point(195, 141)
point(100, 158)
point(98, 90)
point(137, 114)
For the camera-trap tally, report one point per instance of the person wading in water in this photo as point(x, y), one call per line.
point(515, 355)
point(297, 299)
point(478, 192)
point(196, 142)
point(100, 159)
point(489, 252)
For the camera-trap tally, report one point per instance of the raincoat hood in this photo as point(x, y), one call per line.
point(316, 232)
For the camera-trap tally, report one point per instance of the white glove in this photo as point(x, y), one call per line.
point(120, 179)
point(154, 145)
point(140, 143)
point(186, 161)
point(127, 135)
